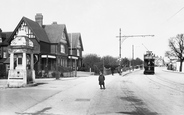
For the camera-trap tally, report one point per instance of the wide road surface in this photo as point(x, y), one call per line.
point(133, 94)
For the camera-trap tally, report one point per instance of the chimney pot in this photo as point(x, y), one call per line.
point(39, 19)
point(54, 22)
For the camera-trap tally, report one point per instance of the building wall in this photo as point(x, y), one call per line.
point(178, 66)
point(44, 47)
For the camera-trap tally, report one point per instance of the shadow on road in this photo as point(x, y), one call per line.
point(137, 103)
point(37, 84)
point(41, 112)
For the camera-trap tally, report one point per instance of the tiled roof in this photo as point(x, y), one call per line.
point(76, 37)
point(37, 30)
point(55, 32)
point(5, 36)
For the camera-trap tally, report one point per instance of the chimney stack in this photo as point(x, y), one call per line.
point(39, 19)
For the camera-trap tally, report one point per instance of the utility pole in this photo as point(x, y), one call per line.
point(133, 57)
point(125, 37)
point(120, 46)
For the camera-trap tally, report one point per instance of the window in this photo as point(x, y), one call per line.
point(19, 61)
point(61, 62)
point(0, 52)
point(4, 55)
point(78, 52)
point(62, 49)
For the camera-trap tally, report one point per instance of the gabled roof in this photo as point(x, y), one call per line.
point(55, 32)
point(38, 31)
point(76, 37)
point(5, 36)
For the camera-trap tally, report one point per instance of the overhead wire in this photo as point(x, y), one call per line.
point(175, 13)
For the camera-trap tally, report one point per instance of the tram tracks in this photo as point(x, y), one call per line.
point(153, 93)
point(159, 80)
point(143, 102)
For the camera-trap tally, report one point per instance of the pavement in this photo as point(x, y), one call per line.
point(18, 100)
point(15, 101)
point(3, 82)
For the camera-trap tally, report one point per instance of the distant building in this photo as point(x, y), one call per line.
point(159, 61)
point(178, 66)
point(51, 45)
point(75, 49)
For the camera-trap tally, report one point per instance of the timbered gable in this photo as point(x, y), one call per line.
point(24, 26)
point(35, 33)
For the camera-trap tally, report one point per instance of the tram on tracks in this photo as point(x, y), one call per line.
point(149, 63)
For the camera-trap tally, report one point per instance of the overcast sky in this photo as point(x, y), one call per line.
point(99, 22)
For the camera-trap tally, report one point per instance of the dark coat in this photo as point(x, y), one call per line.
point(101, 79)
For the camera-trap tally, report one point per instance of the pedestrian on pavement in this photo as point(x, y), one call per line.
point(101, 80)
point(112, 70)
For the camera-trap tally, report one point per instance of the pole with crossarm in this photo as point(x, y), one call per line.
point(125, 37)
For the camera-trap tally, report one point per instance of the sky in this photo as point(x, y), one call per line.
point(99, 22)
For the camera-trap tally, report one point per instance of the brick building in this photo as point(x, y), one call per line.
point(52, 46)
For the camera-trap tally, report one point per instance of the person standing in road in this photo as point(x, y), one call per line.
point(101, 80)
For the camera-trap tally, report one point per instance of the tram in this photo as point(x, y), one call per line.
point(149, 65)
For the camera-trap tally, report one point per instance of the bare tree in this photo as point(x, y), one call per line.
point(170, 55)
point(176, 45)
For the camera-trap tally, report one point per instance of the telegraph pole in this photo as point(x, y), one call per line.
point(120, 46)
point(133, 57)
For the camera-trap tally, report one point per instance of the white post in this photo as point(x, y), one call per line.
point(71, 54)
point(11, 61)
point(32, 67)
point(24, 62)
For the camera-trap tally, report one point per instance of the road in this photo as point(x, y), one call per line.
point(132, 94)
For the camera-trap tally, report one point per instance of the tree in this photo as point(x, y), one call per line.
point(92, 61)
point(138, 61)
point(110, 61)
point(170, 55)
point(125, 62)
point(96, 63)
point(176, 45)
